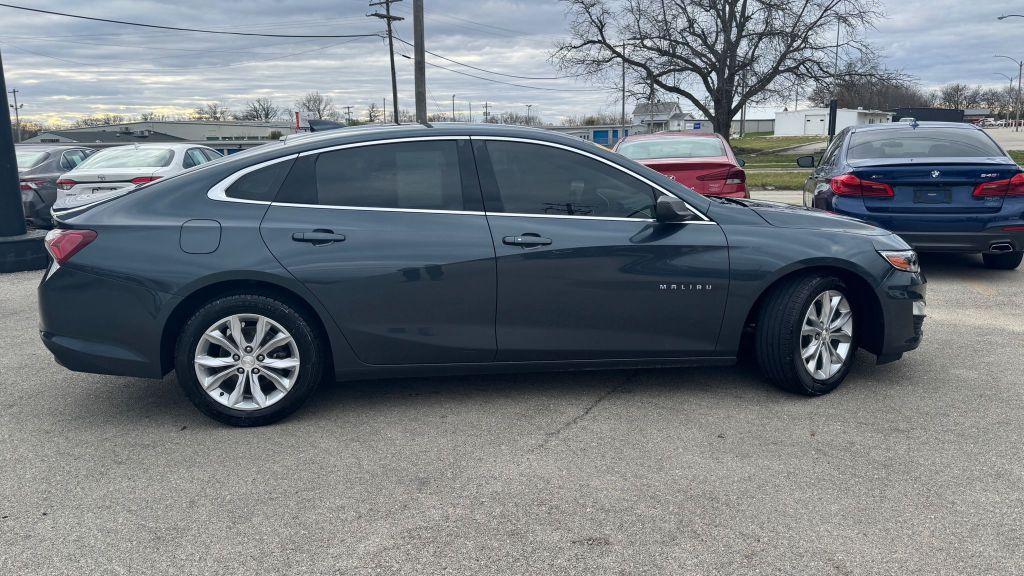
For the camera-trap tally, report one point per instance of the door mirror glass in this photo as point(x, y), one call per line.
point(805, 161)
point(671, 209)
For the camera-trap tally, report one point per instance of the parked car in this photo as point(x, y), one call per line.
point(129, 166)
point(372, 252)
point(39, 167)
point(942, 186)
point(703, 162)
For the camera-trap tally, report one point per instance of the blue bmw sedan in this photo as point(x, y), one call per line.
point(942, 186)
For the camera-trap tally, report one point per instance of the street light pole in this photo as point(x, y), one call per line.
point(1020, 71)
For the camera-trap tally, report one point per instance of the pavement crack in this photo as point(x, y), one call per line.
point(550, 436)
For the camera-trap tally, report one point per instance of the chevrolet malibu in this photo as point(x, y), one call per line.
point(413, 250)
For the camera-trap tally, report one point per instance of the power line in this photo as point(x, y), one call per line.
point(435, 54)
point(178, 29)
point(510, 83)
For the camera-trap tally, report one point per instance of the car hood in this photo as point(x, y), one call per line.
point(789, 216)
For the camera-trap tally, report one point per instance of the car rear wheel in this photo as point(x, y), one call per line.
point(806, 336)
point(248, 360)
point(1003, 261)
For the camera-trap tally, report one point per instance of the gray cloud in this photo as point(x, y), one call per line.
point(67, 68)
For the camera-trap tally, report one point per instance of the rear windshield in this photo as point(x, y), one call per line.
point(130, 158)
point(676, 147)
point(921, 143)
point(29, 158)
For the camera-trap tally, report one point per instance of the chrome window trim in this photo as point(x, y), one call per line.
point(375, 142)
point(703, 219)
point(219, 190)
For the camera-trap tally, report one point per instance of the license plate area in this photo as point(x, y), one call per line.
point(933, 196)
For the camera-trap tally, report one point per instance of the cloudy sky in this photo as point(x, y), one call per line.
point(66, 68)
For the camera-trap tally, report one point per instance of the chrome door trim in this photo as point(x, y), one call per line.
point(703, 219)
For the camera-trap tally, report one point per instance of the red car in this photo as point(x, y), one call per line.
point(702, 162)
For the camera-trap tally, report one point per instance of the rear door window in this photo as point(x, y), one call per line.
point(73, 158)
point(194, 157)
point(407, 175)
point(921, 143)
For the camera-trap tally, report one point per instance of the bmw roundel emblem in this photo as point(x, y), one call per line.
point(936, 173)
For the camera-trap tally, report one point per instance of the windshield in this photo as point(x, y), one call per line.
point(921, 143)
point(29, 158)
point(676, 147)
point(128, 157)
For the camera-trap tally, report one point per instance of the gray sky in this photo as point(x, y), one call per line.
point(67, 68)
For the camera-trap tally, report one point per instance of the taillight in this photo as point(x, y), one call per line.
point(65, 184)
point(736, 176)
point(63, 244)
point(30, 184)
point(999, 188)
point(850, 185)
point(144, 180)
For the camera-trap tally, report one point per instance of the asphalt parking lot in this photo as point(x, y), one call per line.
point(915, 467)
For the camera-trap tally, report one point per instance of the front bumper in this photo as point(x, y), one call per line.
point(904, 309)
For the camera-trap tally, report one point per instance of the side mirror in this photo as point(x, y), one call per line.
point(671, 209)
point(741, 162)
point(805, 161)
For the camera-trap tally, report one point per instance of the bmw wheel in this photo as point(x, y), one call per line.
point(248, 360)
point(806, 335)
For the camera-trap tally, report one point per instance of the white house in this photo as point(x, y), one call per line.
point(814, 121)
point(662, 116)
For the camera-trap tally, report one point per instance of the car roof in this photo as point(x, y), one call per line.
point(45, 147)
point(911, 126)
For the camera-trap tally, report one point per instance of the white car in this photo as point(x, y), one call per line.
point(129, 166)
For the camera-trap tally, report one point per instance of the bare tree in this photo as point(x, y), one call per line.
point(514, 118)
point(152, 117)
point(261, 109)
point(100, 120)
point(599, 119)
point(317, 106)
point(960, 96)
point(373, 113)
point(719, 55)
point(211, 111)
point(866, 83)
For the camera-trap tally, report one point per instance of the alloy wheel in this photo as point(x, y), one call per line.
point(247, 362)
point(826, 335)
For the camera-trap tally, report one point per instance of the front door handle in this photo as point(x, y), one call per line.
point(526, 240)
point(318, 237)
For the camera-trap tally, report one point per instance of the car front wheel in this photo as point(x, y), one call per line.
point(806, 336)
point(248, 360)
point(1003, 261)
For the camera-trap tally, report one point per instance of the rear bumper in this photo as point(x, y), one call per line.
point(974, 242)
point(96, 324)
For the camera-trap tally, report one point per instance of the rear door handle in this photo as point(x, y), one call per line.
point(318, 237)
point(526, 240)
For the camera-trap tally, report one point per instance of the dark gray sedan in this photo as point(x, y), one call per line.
point(39, 168)
point(456, 249)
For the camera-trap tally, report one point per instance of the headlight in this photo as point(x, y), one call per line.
point(905, 260)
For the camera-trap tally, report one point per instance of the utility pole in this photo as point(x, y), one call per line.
point(389, 20)
point(384, 112)
point(487, 111)
point(17, 115)
point(470, 111)
point(528, 107)
point(622, 118)
point(348, 113)
point(20, 249)
point(419, 64)
point(453, 107)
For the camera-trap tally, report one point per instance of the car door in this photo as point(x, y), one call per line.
point(584, 270)
point(392, 239)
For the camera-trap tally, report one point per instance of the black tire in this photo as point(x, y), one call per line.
point(777, 338)
point(311, 353)
point(1003, 261)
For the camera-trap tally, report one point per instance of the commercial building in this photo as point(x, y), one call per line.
point(225, 136)
point(814, 121)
